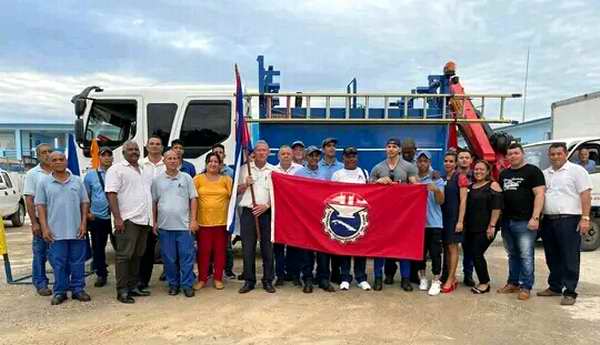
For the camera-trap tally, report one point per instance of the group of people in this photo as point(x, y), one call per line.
point(161, 199)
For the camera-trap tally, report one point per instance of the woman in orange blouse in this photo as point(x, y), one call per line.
point(214, 192)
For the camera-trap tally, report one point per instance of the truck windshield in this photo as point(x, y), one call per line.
point(111, 122)
point(538, 155)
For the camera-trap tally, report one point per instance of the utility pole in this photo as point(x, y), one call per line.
point(525, 86)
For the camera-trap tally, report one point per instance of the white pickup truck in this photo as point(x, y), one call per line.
point(12, 203)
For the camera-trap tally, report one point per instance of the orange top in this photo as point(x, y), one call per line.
point(213, 199)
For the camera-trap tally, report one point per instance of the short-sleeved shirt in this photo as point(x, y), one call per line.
point(434, 210)
point(480, 204)
point(227, 171)
point(262, 184)
point(133, 194)
point(328, 169)
point(317, 173)
point(173, 195)
point(213, 199)
point(188, 168)
point(31, 180)
point(63, 205)
point(290, 171)
point(590, 166)
point(400, 173)
point(563, 189)
point(98, 202)
point(357, 175)
point(517, 189)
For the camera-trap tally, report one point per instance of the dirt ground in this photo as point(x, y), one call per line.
point(291, 317)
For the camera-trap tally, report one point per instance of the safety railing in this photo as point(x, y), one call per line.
point(436, 108)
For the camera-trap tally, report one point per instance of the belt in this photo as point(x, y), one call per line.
point(560, 216)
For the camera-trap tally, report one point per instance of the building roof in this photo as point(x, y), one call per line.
point(529, 123)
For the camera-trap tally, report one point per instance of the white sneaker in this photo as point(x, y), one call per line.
point(345, 286)
point(364, 285)
point(436, 288)
point(423, 284)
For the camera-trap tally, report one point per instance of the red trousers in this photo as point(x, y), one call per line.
point(212, 241)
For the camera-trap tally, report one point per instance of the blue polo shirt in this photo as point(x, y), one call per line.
point(329, 169)
point(590, 166)
point(318, 173)
point(188, 168)
point(98, 202)
point(173, 195)
point(63, 205)
point(227, 171)
point(434, 210)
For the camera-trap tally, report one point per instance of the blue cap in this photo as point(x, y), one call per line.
point(297, 143)
point(423, 153)
point(328, 141)
point(312, 149)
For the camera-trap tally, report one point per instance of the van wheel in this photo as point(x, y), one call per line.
point(591, 241)
point(18, 218)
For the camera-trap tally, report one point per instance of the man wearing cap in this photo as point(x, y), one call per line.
point(351, 173)
point(393, 169)
point(314, 170)
point(434, 224)
point(98, 217)
point(298, 152)
point(287, 261)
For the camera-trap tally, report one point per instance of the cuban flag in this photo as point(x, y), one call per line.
point(242, 143)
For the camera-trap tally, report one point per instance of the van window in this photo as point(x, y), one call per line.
point(160, 120)
point(205, 123)
point(111, 122)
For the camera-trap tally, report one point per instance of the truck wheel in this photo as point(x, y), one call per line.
point(18, 218)
point(591, 241)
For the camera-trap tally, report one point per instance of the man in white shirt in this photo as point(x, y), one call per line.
point(351, 173)
point(287, 259)
point(152, 166)
point(261, 209)
point(566, 217)
point(128, 198)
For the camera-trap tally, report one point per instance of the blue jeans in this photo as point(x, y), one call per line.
point(519, 243)
point(39, 247)
point(562, 243)
point(279, 253)
point(67, 258)
point(379, 263)
point(360, 264)
point(174, 245)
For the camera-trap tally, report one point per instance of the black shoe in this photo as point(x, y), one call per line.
point(296, 282)
point(406, 285)
point(308, 287)
point(173, 291)
point(468, 281)
point(246, 288)
point(139, 292)
point(378, 284)
point(240, 277)
point(336, 278)
point(189, 292)
point(58, 299)
point(100, 281)
point(389, 280)
point(142, 286)
point(279, 282)
point(268, 287)
point(82, 297)
point(235, 240)
point(163, 277)
point(326, 286)
point(124, 297)
point(44, 291)
point(229, 274)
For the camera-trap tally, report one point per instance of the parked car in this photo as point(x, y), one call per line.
point(12, 203)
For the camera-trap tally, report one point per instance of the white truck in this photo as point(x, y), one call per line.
point(576, 122)
point(12, 203)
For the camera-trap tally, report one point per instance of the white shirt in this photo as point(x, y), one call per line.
point(149, 172)
point(563, 187)
point(290, 171)
point(132, 192)
point(357, 175)
point(262, 184)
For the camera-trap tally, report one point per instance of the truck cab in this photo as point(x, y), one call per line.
point(537, 154)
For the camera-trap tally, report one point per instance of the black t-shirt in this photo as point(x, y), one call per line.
point(480, 204)
point(517, 185)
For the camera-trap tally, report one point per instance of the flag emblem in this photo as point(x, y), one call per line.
point(346, 216)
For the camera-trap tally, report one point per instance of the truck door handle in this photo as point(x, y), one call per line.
point(14, 192)
point(5, 193)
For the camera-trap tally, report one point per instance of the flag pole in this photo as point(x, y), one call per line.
point(256, 222)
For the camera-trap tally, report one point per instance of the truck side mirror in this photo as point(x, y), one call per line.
point(80, 104)
point(79, 134)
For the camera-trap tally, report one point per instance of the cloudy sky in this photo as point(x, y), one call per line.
point(52, 49)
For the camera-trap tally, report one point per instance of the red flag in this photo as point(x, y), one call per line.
point(369, 220)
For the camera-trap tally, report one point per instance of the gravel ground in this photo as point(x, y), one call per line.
point(291, 317)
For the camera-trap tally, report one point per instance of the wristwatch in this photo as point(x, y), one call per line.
point(585, 218)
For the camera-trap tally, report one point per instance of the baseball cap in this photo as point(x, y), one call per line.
point(296, 143)
point(393, 141)
point(312, 149)
point(350, 150)
point(104, 149)
point(329, 141)
point(424, 153)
